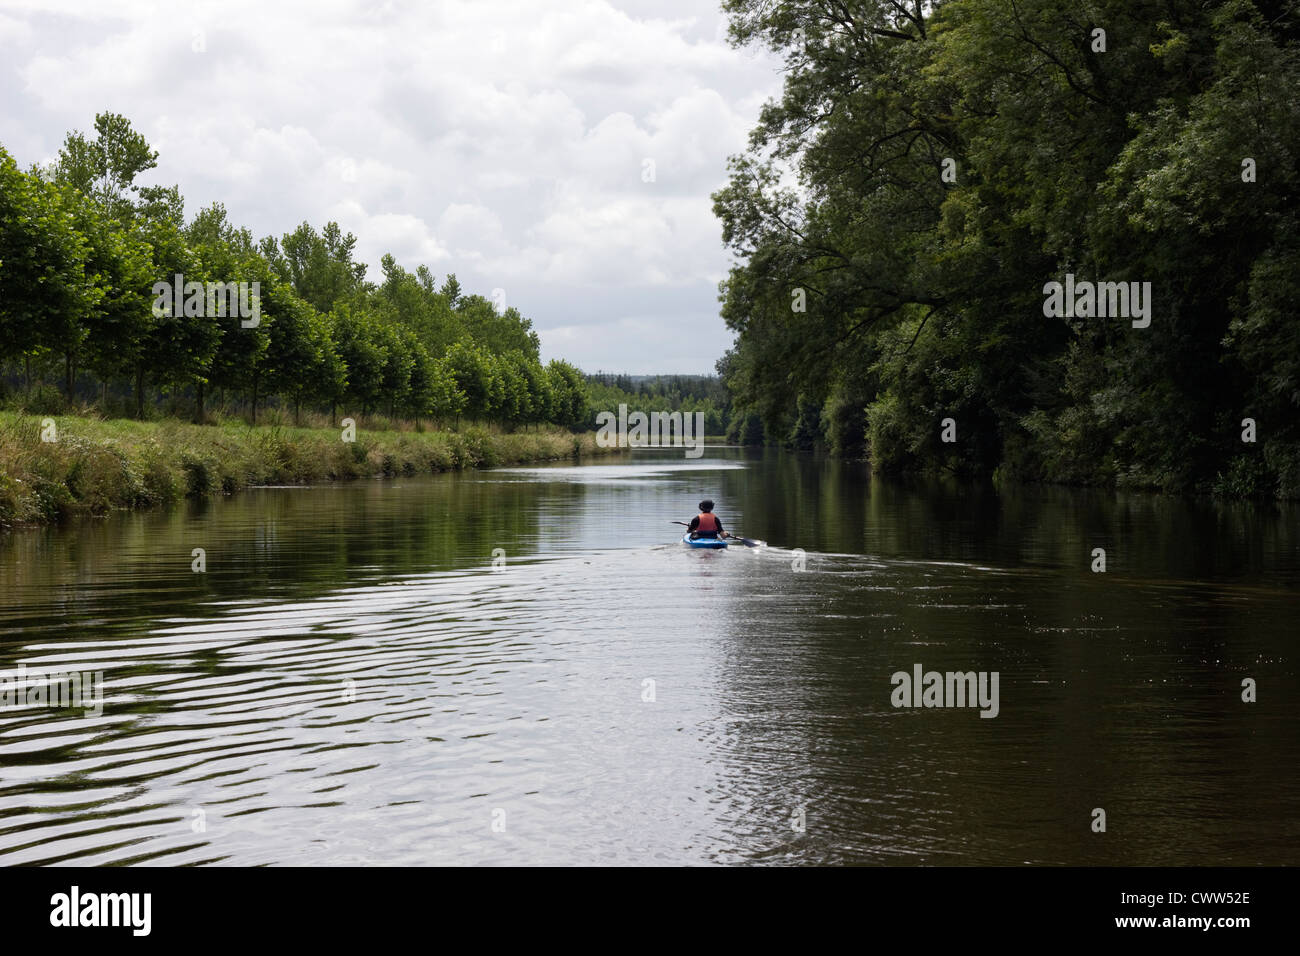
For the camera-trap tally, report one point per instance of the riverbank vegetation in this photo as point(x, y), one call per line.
point(274, 348)
point(705, 394)
point(83, 247)
point(54, 467)
point(931, 168)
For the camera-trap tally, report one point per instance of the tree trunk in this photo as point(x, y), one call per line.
point(254, 399)
point(27, 363)
point(200, 413)
point(139, 392)
point(297, 405)
point(67, 375)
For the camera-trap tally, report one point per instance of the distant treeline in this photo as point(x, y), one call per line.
point(932, 168)
point(660, 393)
point(82, 246)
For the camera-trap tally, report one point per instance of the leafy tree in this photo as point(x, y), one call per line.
point(319, 266)
point(44, 288)
point(104, 169)
point(926, 171)
point(498, 332)
point(363, 350)
point(395, 377)
point(293, 345)
point(446, 401)
point(179, 349)
point(474, 378)
point(409, 300)
point(118, 323)
point(569, 391)
point(451, 290)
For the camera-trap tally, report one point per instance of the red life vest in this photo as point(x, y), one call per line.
point(708, 523)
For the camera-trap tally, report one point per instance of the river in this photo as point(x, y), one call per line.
point(526, 666)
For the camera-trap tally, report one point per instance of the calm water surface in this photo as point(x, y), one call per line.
point(351, 681)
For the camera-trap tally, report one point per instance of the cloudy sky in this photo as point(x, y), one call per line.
point(508, 142)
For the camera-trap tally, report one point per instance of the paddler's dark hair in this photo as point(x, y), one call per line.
point(706, 505)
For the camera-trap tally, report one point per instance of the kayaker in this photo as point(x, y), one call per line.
point(706, 523)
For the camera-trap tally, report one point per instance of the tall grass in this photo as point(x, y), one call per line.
point(95, 466)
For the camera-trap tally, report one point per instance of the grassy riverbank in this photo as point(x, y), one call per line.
point(95, 466)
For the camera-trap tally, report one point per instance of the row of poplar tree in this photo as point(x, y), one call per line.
point(82, 244)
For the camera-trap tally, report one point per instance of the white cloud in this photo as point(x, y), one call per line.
point(504, 141)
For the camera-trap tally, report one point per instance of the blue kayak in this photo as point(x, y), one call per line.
point(703, 542)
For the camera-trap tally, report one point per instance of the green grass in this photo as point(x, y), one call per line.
point(97, 466)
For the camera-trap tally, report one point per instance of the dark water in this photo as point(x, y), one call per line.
point(351, 681)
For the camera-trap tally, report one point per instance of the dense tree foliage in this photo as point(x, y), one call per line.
point(664, 393)
point(931, 167)
point(82, 245)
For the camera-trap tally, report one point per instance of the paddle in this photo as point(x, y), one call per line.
point(747, 542)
